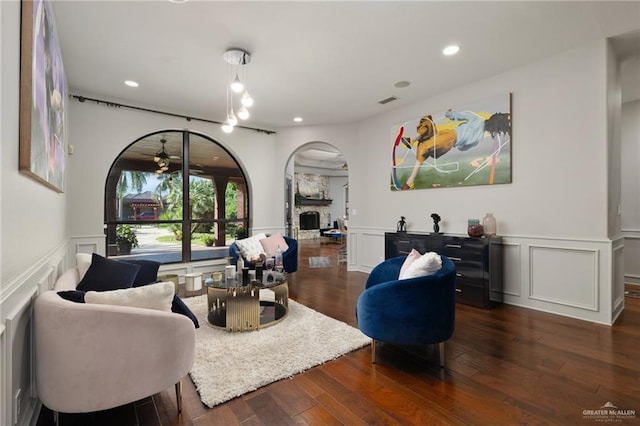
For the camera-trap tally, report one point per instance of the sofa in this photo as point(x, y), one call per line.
point(92, 357)
point(289, 256)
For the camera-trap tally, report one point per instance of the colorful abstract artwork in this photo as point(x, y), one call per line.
point(462, 146)
point(43, 95)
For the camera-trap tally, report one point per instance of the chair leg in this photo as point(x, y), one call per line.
point(179, 395)
point(373, 351)
point(441, 349)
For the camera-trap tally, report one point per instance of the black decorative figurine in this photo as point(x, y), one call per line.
point(436, 218)
point(402, 225)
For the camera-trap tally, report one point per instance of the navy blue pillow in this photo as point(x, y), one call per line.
point(148, 272)
point(72, 295)
point(178, 307)
point(106, 274)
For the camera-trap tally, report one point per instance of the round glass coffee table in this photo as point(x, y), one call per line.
point(236, 307)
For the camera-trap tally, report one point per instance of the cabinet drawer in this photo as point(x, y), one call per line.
point(406, 245)
point(470, 276)
point(463, 251)
point(470, 295)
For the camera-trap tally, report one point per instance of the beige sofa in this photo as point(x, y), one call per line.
point(91, 357)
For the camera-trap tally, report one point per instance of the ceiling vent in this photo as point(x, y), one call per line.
point(387, 100)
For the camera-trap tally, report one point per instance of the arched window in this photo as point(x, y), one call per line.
point(168, 218)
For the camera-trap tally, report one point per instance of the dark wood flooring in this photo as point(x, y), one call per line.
point(506, 366)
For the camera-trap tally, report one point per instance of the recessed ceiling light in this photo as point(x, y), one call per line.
point(297, 119)
point(131, 83)
point(178, 1)
point(451, 50)
point(401, 84)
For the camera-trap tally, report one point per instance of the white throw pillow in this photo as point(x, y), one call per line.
point(158, 296)
point(411, 257)
point(250, 248)
point(427, 264)
point(83, 262)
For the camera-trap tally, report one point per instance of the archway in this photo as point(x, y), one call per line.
point(317, 191)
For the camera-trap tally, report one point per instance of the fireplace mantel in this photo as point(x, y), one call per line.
point(314, 201)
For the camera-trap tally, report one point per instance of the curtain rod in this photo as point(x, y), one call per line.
point(82, 99)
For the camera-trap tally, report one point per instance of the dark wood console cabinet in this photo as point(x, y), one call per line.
point(478, 262)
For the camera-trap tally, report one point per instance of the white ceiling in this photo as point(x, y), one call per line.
point(329, 62)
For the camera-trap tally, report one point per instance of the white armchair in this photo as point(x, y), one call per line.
point(91, 357)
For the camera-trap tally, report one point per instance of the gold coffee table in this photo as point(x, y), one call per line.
point(235, 307)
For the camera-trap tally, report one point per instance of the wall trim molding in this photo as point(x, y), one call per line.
point(517, 247)
point(594, 287)
point(632, 234)
point(15, 283)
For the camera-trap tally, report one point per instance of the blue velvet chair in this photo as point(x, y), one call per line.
point(289, 257)
point(412, 312)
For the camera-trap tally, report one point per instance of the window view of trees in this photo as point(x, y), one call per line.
point(147, 202)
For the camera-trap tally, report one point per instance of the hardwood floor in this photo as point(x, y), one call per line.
point(509, 365)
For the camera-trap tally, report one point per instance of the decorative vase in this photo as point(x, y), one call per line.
point(489, 225)
point(474, 229)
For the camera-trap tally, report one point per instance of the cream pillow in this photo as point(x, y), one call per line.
point(427, 264)
point(83, 262)
point(153, 296)
point(250, 248)
point(411, 257)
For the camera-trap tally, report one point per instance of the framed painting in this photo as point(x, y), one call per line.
point(43, 97)
point(462, 146)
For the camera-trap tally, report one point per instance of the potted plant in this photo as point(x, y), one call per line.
point(209, 240)
point(126, 239)
point(241, 233)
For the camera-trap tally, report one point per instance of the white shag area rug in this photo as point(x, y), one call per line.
point(228, 365)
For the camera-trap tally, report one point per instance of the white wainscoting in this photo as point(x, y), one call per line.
point(557, 272)
point(632, 256)
point(19, 402)
point(512, 276)
point(570, 277)
point(618, 277)
point(369, 252)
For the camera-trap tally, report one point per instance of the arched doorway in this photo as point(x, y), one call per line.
point(317, 191)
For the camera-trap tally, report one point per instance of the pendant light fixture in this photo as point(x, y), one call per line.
point(237, 60)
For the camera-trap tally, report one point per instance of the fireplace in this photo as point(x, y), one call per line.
point(309, 220)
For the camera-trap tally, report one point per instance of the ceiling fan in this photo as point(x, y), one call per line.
point(162, 158)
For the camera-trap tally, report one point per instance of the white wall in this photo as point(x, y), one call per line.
point(33, 239)
point(554, 216)
point(631, 189)
point(100, 133)
point(33, 216)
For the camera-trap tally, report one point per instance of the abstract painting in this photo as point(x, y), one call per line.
point(462, 146)
point(43, 95)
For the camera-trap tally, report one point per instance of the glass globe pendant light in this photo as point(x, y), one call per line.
point(243, 113)
point(246, 100)
point(237, 60)
point(236, 85)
